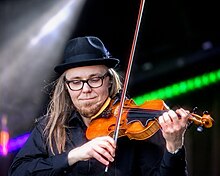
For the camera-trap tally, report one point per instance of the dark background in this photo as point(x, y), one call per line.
point(177, 40)
point(171, 40)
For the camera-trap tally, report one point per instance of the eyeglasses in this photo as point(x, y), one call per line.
point(93, 82)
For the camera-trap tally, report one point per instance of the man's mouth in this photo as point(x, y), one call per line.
point(87, 99)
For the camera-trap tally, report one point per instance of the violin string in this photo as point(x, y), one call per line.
point(144, 111)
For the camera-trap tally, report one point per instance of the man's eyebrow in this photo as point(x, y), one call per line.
point(78, 77)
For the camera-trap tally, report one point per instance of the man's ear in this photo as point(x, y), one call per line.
point(110, 84)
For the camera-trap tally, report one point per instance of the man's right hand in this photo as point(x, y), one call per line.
point(100, 148)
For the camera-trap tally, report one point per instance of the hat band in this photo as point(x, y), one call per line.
point(83, 57)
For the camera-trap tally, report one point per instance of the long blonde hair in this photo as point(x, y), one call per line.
point(61, 107)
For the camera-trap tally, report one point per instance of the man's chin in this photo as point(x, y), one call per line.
point(90, 109)
point(89, 112)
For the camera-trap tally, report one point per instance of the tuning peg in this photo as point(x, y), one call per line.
point(206, 112)
point(200, 129)
point(195, 109)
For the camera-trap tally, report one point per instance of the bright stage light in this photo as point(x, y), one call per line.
point(29, 55)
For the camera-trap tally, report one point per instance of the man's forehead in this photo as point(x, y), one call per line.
point(86, 71)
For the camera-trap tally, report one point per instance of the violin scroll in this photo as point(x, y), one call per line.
point(204, 121)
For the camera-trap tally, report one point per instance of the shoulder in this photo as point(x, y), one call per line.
point(41, 119)
point(41, 122)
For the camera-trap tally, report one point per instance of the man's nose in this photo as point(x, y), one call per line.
point(86, 87)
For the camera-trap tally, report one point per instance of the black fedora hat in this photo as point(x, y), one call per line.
point(85, 51)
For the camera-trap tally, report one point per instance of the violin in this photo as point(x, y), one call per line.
point(137, 122)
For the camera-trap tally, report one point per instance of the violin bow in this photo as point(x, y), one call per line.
point(127, 76)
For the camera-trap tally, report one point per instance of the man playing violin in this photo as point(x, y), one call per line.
point(58, 144)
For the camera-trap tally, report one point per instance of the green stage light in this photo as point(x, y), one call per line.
point(181, 87)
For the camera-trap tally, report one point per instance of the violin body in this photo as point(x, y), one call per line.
point(146, 125)
point(137, 122)
point(133, 128)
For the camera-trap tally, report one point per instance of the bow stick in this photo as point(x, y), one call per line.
point(131, 57)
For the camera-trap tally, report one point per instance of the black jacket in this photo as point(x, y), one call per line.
point(133, 158)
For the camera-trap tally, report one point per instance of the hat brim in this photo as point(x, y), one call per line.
point(109, 62)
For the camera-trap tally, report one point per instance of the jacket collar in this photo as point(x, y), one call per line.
point(75, 120)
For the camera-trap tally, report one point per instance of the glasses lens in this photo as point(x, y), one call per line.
point(75, 85)
point(95, 82)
